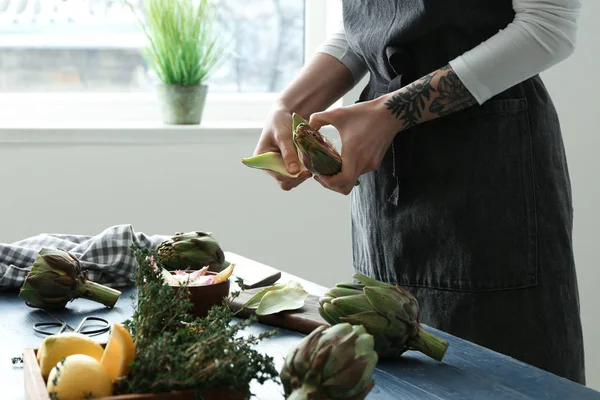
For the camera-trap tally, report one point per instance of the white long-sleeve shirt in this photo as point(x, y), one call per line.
point(542, 34)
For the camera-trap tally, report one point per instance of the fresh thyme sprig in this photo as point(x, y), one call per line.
point(176, 351)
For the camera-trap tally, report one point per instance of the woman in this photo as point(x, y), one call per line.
point(465, 196)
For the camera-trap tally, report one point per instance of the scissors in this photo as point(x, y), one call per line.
point(63, 325)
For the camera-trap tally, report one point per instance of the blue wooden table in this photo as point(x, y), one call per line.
point(467, 372)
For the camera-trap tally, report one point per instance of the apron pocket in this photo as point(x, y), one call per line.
point(466, 219)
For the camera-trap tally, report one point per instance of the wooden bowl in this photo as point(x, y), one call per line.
point(203, 298)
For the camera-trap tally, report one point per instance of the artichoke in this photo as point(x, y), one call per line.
point(56, 278)
point(316, 152)
point(192, 250)
point(330, 363)
point(388, 312)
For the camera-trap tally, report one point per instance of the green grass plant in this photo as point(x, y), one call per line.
point(185, 44)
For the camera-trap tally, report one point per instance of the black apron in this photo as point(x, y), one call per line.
point(472, 211)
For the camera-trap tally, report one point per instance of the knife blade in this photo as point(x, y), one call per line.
point(252, 273)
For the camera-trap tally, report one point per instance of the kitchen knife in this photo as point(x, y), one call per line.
point(254, 274)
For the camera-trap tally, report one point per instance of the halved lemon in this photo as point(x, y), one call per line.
point(118, 353)
point(56, 347)
point(79, 376)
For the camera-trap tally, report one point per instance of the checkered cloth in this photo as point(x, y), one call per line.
point(106, 258)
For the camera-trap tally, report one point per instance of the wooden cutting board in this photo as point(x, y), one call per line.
point(303, 320)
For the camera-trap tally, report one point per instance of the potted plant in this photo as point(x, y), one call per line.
point(184, 48)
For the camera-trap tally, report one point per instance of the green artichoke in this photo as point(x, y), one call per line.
point(316, 152)
point(56, 278)
point(330, 363)
point(192, 250)
point(388, 312)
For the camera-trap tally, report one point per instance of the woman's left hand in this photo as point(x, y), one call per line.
point(366, 130)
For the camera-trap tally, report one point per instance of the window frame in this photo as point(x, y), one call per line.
point(321, 19)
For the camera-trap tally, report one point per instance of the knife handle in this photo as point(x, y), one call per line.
point(268, 281)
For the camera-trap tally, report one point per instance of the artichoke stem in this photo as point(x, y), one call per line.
point(99, 293)
point(429, 344)
point(305, 392)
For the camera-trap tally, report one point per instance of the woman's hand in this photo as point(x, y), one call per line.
point(367, 130)
point(277, 136)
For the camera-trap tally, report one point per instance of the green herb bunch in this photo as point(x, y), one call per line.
point(177, 352)
point(184, 44)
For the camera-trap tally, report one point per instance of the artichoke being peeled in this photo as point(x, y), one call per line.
point(316, 153)
point(330, 363)
point(191, 250)
point(388, 312)
point(56, 278)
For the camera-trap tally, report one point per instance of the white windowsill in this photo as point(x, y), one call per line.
point(122, 118)
point(126, 133)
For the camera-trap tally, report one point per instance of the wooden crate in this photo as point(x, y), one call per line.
point(35, 387)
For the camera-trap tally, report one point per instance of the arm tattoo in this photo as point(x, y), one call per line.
point(453, 95)
point(449, 95)
point(409, 103)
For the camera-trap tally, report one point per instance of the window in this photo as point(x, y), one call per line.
point(82, 58)
point(94, 46)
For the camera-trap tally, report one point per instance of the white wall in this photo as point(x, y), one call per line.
point(167, 188)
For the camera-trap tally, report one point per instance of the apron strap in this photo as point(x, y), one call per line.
point(403, 72)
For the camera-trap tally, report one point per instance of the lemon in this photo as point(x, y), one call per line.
point(79, 376)
point(56, 347)
point(119, 352)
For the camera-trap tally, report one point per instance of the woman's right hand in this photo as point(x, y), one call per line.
point(277, 136)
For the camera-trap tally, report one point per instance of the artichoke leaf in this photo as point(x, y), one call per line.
point(306, 350)
point(254, 301)
point(342, 292)
point(386, 300)
point(291, 297)
point(271, 161)
point(373, 322)
point(324, 299)
point(353, 304)
point(296, 121)
point(326, 316)
point(344, 354)
point(332, 313)
point(224, 275)
point(350, 285)
point(366, 281)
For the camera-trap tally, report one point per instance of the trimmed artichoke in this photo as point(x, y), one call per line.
point(56, 278)
point(192, 250)
point(388, 312)
point(316, 152)
point(330, 363)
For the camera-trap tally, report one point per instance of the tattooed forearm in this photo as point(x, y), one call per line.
point(453, 95)
point(437, 94)
point(409, 103)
